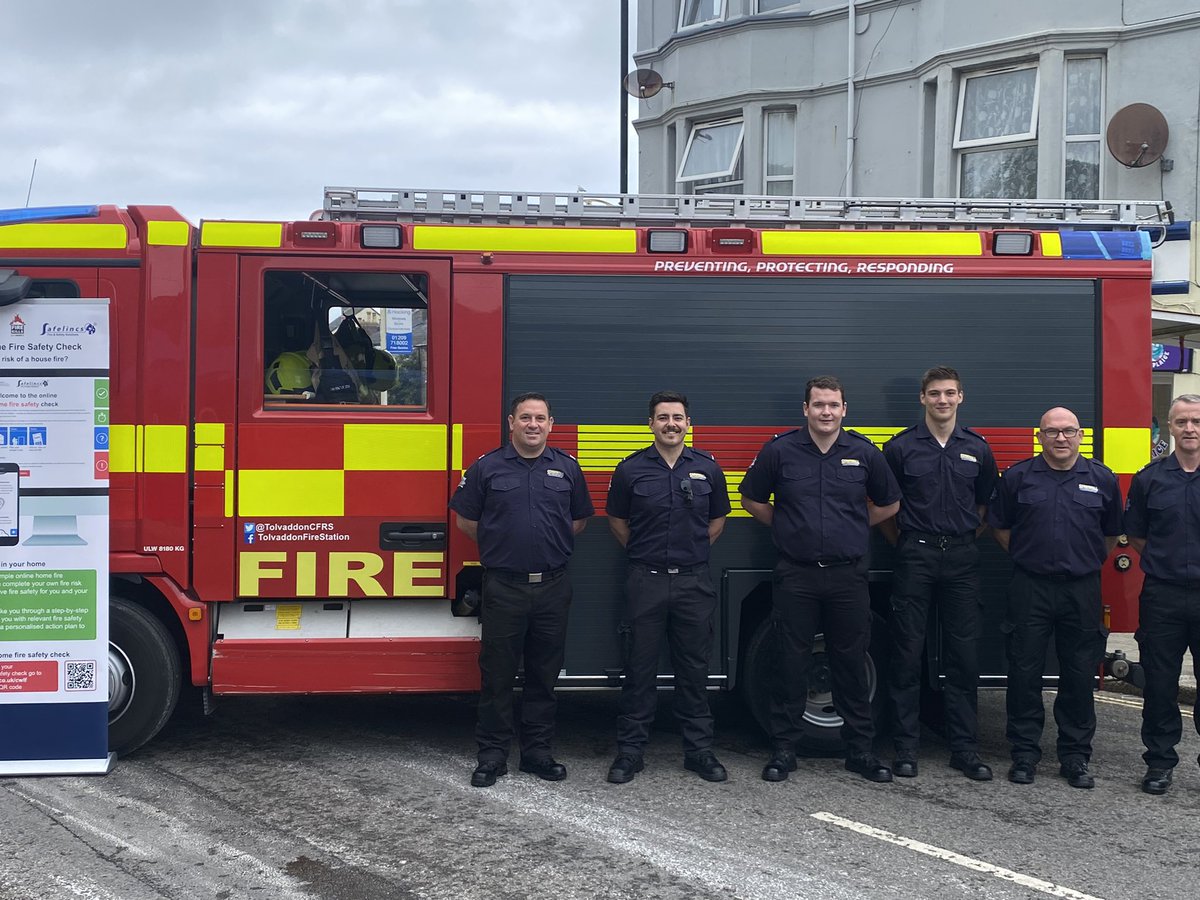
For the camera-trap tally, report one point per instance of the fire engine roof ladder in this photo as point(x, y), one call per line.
point(351, 204)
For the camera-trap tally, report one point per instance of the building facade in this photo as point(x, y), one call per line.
point(921, 98)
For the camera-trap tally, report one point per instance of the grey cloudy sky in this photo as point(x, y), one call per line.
point(248, 108)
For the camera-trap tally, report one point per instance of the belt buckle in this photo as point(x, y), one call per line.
point(943, 541)
point(674, 571)
point(535, 577)
point(821, 564)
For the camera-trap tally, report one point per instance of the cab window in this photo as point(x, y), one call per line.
point(337, 338)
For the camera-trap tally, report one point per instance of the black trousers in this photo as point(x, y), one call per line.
point(682, 608)
point(1070, 608)
point(520, 620)
point(950, 578)
point(835, 601)
point(1168, 625)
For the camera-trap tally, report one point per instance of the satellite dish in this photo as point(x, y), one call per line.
point(1137, 135)
point(645, 83)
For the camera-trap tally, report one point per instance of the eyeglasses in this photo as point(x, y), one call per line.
point(1053, 433)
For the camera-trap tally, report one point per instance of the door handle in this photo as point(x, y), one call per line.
point(422, 537)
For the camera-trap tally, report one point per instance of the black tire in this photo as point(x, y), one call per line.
point(822, 724)
point(144, 673)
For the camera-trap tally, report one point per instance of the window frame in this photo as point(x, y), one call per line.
point(769, 179)
point(734, 158)
point(722, 10)
point(1027, 136)
point(1096, 138)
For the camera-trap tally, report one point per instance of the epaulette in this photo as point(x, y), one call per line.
point(903, 431)
point(783, 434)
point(861, 437)
point(970, 430)
point(703, 453)
point(1153, 462)
point(637, 452)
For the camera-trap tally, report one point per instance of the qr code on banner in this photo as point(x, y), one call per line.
point(81, 675)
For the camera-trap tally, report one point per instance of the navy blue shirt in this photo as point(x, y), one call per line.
point(1164, 510)
point(820, 498)
point(526, 509)
point(1058, 519)
point(943, 487)
point(668, 522)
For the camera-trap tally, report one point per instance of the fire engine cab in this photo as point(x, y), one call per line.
point(293, 403)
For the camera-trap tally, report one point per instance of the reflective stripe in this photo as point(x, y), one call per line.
point(64, 237)
point(864, 243)
point(394, 448)
point(1051, 243)
point(1086, 444)
point(879, 436)
point(601, 447)
point(210, 459)
point(291, 492)
point(210, 432)
point(241, 234)
point(456, 449)
point(229, 493)
point(168, 234)
point(1126, 449)
point(525, 240)
point(165, 448)
point(122, 445)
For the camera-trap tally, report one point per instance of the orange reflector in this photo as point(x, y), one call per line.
point(195, 614)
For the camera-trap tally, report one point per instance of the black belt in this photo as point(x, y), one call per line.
point(822, 563)
point(941, 541)
point(653, 569)
point(527, 577)
point(1182, 585)
point(1059, 579)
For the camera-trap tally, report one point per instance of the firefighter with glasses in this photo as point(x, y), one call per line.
point(1058, 515)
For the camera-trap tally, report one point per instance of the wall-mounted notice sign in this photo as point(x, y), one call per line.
point(54, 420)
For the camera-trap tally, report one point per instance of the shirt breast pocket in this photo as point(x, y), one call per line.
point(853, 474)
point(701, 492)
point(554, 483)
point(502, 483)
point(1089, 499)
point(651, 490)
point(1031, 495)
point(964, 468)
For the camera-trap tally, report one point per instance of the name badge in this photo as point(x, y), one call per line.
point(1090, 488)
point(699, 476)
point(851, 462)
point(554, 473)
point(968, 457)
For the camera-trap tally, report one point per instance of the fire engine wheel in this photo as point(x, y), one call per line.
point(822, 724)
point(144, 673)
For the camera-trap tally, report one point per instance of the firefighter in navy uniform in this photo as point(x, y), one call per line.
point(1162, 519)
point(947, 474)
point(666, 505)
point(1058, 515)
point(830, 487)
point(523, 504)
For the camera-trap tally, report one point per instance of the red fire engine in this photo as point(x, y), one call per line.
point(294, 402)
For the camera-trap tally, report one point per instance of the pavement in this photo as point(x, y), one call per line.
point(1128, 645)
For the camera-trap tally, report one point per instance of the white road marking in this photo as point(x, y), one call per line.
point(1122, 700)
point(1028, 881)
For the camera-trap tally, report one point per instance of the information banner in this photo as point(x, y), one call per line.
point(54, 427)
point(398, 329)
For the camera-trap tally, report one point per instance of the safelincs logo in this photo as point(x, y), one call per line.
point(67, 330)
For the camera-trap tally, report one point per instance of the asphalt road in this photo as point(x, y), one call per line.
point(368, 798)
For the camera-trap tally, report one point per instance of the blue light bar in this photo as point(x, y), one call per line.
point(45, 213)
point(1105, 245)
